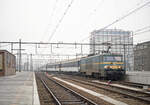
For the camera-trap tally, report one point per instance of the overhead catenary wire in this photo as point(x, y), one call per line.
point(4, 45)
point(54, 8)
point(138, 33)
point(142, 29)
point(61, 19)
point(128, 14)
point(59, 22)
point(51, 18)
point(123, 17)
point(104, 27)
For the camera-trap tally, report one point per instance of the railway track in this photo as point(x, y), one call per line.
point(44, 96)
point(131, 84)
point(138, 95)
point(61, 94)
point(136, 85)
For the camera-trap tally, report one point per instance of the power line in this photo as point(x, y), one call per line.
point(24, 43)
point(61, 19)
point(4, 45)
point(123, 17)
point(54, 8)
point(51, 17)
point(142, 29)
point(59, 22)
point(128, 14)
point(138, 33)
point(135, 33)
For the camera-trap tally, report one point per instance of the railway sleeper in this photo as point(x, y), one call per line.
point(144, 96)
point(74, 102)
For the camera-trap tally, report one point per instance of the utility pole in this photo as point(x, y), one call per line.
point(31, 63)
point(12, 48)
point(51, 48)
point(19, 55)
point(124, 57)
point(27, 62)
point(81, 50)
point(46, 67)
point(76, 55)
point(17, 61)
point(36, 46)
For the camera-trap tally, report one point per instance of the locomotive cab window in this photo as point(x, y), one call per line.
point(112, 58)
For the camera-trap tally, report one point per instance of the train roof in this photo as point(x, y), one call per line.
point(101, 54)
point(65, 61)
point(71, 60)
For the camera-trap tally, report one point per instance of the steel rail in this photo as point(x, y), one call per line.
point(115, 91)
point(90, 102)
point(51, 93)
point(139, 85)
point(141, 92)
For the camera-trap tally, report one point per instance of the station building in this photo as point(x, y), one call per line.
point(142, 57)
point(7, 63)
point(116, 40)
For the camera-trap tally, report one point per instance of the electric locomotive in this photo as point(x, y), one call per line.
point(107, 66)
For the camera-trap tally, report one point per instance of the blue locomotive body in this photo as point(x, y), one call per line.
point(109, 66)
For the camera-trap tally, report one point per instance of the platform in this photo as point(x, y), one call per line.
point(142, 77)
point(118, 85)
point(101, 96)
point(19, 89)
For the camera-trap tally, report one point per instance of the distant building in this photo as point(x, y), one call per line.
point(7, 63)
point(114, 40)
point(142, 57)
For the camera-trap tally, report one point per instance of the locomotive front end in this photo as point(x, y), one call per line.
point(113, 67)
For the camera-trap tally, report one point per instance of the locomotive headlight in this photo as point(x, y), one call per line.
point(106, 67)
point(120, 67)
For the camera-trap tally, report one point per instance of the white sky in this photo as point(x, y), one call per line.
point(32, 20)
